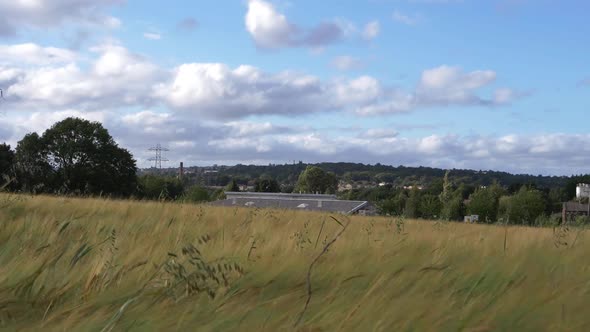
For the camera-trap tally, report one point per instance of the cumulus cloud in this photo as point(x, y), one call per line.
point(116, 78)
point(214, 89)
point(441, 87)
point(451, 85)
point(346, 62)
point(379, 133)
point(21, 14)
point(34, 54)
point(371, 30)
point(197, 141)
point(272, 30)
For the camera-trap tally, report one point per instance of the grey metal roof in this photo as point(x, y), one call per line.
point(288, 201)
point(231, 194)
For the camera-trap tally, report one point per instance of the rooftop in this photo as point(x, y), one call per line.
point(308, 202)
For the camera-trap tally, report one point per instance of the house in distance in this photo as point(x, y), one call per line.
point(308, 202)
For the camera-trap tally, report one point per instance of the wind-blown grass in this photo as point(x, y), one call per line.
point(103, 265)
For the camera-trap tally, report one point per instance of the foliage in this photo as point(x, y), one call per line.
point(316, 180)
point(452, 207)
point(394, 206)
point(412, 209)
point(267, 186)
point(524, 207)
point(484, 203)
point(75, 156)
point(196, 194)
point(430, 206)
point(33, 172)
point(160, 187)
point(232, 186)
point(6, 160)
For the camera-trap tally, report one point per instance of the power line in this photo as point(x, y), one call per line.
point(158, 158)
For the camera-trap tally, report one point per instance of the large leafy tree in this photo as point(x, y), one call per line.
point(77, 156)
point(524, 207)
point(33, 172)
point(315, 179)
point(484, 203)
point(267, 185)
point(6, 160)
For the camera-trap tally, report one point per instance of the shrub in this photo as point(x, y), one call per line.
point(524, 207)
point(196, 194)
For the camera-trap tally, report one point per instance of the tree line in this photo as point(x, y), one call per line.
point(80, 157)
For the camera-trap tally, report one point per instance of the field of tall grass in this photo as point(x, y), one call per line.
point(69, 264)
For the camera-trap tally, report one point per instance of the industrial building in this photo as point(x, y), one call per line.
point(308, 202)
point(572, 210)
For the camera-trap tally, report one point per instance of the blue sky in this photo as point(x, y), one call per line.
point(497, 84)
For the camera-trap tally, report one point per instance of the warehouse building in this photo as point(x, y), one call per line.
point(308, 202)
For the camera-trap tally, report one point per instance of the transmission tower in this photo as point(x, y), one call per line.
point(158, 158)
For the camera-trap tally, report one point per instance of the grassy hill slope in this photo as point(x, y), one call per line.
point(100, 265)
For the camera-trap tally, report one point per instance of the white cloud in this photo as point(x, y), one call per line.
point(379, 133)
point(440, 87)
point(505, 96)
point(111, 22)
point(447, 85)
point(244, 128)
point(195, 141)
point(371, 30)
point(34, 54)
point(362, 90)
point(152, 36)
point(20, 14)
point(215, 90)
point(271, 29)
point(405, 19)
point(345, 62)
point(146, 118)
point(116, 78)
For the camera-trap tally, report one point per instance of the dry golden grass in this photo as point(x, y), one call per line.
point(101, 265)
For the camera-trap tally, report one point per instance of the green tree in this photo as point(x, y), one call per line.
point(33, 172)
point(315, 179)
point(160, 187)
point(6, 162)
point(451, 200)
point(412, 209)
point(430, 206)
point(524, 207)
point(86, 159)
point(484, 203)
point(395, 205)
point(447, 189)
point(196, 194)
point(232, 186)
point(454, 210)
point(266, 185)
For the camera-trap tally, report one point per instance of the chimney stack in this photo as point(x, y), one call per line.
point(181, 171)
